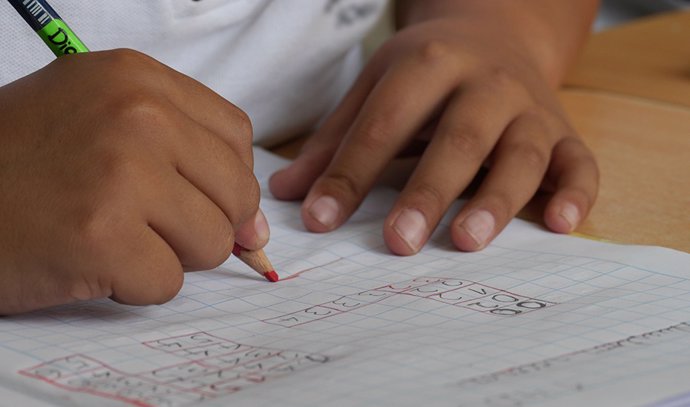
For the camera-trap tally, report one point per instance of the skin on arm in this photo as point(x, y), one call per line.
point(475, 80)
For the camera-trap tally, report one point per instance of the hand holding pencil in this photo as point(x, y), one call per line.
point(114, 186)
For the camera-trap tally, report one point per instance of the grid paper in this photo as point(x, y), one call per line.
point(535, 319)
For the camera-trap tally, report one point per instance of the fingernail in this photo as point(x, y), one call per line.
point(411, 227)
point(261, 226)
point(479, 225)
point(325, 210)
point(571, 214)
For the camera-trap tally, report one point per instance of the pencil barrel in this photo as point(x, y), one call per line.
point(61, 40)
point(49, 26)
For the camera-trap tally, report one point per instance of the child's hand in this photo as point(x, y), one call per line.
point(479, 99)
point(116, 174)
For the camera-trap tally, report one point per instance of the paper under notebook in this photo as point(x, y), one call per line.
point(535, 319)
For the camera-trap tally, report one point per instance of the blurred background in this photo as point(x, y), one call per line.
point(611, 13)
point(615, 12)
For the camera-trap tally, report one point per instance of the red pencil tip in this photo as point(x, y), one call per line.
point(272, 276)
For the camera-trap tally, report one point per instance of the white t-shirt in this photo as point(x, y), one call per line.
point(614, 12)
point(285, 62)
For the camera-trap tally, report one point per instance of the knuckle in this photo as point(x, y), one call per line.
point(375, 133)
point(502, 81)
point(123, 67)
point(435, 51)
point(139, 112)
point(501, 77)
point(530, 154)
point(345, 185)
point(465, 140)
point(430, 196)
point(126, 58)
point(243, 124)
point(503, 205)
point(93, 236)
point(543, 117)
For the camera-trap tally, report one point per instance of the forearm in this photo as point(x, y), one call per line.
point(552, 31)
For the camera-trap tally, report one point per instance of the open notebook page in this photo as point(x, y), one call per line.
point(535, 319)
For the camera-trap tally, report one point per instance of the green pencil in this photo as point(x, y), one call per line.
point(49, 26)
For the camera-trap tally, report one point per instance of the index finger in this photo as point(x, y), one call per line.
point(398, 107)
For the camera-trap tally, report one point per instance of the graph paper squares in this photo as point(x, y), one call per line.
point(212, 367)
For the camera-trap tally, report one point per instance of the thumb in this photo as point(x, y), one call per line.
point(254, 233)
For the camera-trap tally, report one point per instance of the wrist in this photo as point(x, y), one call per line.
point(547, 33)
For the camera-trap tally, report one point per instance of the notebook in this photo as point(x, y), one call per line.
point(535, 319)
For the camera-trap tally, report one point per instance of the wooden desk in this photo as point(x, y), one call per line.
point(643, 150)
point(649, 58)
